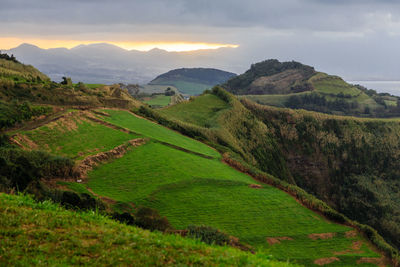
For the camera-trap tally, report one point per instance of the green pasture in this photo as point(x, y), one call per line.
point(77, 138)
point(155, 131)
point(202, 111)
point(159, 101)
point(189, 189)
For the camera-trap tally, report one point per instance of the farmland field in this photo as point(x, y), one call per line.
point(73, 136)
point(159, 101)
point(189, 189)
point(202, 111)
point(152, 130)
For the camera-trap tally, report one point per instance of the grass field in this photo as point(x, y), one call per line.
point(152, 130)
point(273, 100)
point(159, 101)
point(73, 136)
point(43, 234)
point(189, 88)
point(201, 111)
point(332, 85)
point(189, 189)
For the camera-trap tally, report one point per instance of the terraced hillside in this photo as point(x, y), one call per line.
point(186, 181)
point(58, 237)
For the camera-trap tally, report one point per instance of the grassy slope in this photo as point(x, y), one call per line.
point(127, 120)
point(201, 111)
point(159, 100)
point(192, 190)
point(185, 87)
point(42, 234)
point(74, 137)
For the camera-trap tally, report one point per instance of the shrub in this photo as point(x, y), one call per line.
point(148, 218)
point(208, 235)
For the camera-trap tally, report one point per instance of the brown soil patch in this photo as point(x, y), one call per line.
point(356, 245)
point(351, 234)
point(23, 141)
point(324, 261)
point(255, 186)
point(277, 240)
point(88, 163)
point(378, 261)
point(321, 236)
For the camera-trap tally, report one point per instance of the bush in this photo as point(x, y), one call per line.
point(148, 218)
point(20, 167)
point(208, 235)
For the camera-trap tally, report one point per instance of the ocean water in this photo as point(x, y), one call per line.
point(391, 87)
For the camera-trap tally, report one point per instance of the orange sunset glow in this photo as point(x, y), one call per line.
point(8, 43)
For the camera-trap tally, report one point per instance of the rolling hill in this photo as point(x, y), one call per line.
point(186, 181)
point(215, 161)
point(192, 81)
point(294, 85)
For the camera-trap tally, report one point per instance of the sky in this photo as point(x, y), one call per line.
point(357, 39)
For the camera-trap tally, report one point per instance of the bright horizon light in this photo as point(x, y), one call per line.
point(8, 43)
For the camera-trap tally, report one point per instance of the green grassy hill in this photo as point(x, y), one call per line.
point(186, 181)
point(42, 234)
point(192, 81)
point(294, 85)
point(351, 163)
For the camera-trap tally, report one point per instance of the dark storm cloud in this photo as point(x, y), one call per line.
point(353, 38)
point(338, 15)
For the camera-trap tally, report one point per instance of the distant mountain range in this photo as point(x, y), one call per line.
point(106, 63)
point(193, 81)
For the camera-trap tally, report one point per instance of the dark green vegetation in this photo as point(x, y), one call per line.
point(60, 237)
point(352, 164)
point(192, 81)
point(294, 85)
point(14, 112)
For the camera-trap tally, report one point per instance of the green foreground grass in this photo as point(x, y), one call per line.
point(189, 189)
point(153, 130)
point(74, 137)
point(43, 234)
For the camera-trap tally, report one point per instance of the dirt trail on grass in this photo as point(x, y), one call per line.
point(88, 163)
point(277, 240)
